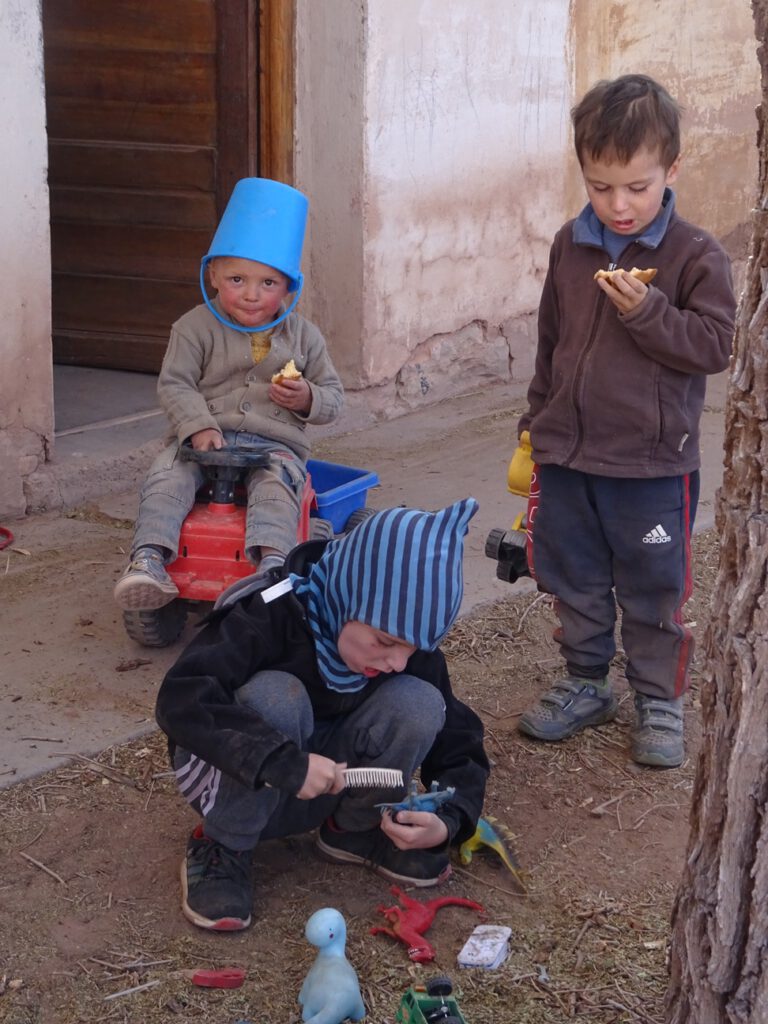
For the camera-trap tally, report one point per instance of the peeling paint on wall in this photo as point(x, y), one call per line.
point(26, 382)
point(465, 147)
point(476, 352)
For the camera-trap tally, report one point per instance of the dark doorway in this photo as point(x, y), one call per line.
point(154, 112)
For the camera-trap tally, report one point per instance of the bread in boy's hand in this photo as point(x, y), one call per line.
point(642, 275)
point(288, 372)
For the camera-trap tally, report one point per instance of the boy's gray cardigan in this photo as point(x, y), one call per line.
point(209, 380)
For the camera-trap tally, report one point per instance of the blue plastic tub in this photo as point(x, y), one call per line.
point(340, 490)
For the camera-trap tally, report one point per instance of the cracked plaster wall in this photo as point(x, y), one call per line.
point(465, 147)
point(26, 382)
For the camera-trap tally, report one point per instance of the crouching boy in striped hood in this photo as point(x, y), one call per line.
point(336, 667)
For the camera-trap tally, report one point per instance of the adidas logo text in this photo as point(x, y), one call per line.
point(658, 535)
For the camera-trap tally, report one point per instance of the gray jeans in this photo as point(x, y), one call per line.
point(394, 728)
point(273, 497)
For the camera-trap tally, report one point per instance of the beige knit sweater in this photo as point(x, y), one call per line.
point(209, 379)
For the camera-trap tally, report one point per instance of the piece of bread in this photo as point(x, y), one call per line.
point(288, 372)
point(642, 275)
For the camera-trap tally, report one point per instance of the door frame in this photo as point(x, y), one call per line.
point(257, 90)
point(277, 89)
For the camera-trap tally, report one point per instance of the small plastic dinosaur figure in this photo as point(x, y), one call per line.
point(412, 919)
point(331, 992)
point(416, 801)
point(497, 837)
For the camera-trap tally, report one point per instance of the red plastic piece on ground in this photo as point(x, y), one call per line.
point(224, 977)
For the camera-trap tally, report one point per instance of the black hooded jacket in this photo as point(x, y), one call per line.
point(197, 711)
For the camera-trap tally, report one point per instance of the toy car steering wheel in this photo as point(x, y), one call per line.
point(237, 458)
point(223, 467)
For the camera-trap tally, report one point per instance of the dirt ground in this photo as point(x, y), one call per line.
point(90, 855)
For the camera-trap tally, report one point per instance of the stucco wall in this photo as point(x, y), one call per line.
point(26, 389)
point(329, 160)
point(431, 147)
point(465, 139)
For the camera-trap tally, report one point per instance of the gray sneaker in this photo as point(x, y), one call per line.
point(657, 738)
point(570, 706)
point(145, 584)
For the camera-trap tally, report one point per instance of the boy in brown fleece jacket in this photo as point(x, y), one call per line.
point(614, 410)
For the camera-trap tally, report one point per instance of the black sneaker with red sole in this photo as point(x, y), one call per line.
point(216, 884)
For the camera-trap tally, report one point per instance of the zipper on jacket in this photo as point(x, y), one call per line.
point(577, 377)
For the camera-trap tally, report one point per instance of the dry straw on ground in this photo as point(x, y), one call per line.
point(90, 853)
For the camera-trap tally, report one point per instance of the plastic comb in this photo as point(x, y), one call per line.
point(360, 777)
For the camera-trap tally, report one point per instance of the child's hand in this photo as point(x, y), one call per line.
point(323, 776)
point(292, 394)
point(624, 291)
point(207, 440)
point(414, 830)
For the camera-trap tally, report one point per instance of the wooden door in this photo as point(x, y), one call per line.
point(153, 115)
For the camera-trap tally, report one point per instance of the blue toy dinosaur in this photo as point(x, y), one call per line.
point(331, 992)
point(416, 801)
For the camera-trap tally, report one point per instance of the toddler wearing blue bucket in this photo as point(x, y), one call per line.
point(221, 384)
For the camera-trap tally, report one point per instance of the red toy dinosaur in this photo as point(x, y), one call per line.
point(409, 924)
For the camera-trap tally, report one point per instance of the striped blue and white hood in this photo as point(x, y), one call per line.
point(400, 571)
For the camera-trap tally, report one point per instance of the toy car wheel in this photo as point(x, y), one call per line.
point(442, 1016)
point(493, 543)
point(357, 517)
point(320, 529)
point(439, 986)
point(513, 566)
point(158, 627)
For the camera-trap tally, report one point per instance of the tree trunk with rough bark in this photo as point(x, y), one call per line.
point(719, 957)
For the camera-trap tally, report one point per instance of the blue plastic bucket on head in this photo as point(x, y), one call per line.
point(264, 221)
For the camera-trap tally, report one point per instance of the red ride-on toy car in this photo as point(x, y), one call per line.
point(212, 541)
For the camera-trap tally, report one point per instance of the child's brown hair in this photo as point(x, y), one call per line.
point(617, 118)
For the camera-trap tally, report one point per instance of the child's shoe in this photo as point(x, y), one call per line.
point(145, 585)
point(570, 706)
point(657, 738)
point(216, 884)
point(375, 850)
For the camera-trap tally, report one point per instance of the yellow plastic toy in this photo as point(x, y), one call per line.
point(521, 467)
point(492, 833)
point(508, 547)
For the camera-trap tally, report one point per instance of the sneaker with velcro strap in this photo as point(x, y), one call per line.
point(568, 707)
point(657, 738)
point(145, 585)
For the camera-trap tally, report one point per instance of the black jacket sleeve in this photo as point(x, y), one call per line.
point(196, 707)
point(457, 757)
